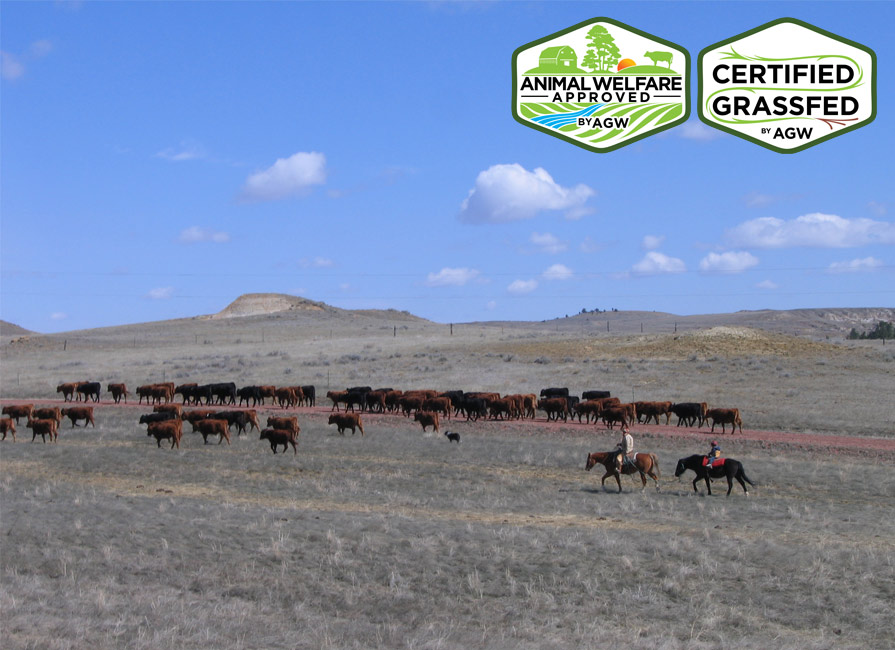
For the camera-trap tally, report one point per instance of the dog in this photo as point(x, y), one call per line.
point(452, 436)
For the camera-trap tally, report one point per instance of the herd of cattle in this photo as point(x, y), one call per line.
point(428, 407)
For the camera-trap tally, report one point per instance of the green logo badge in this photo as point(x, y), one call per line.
point(601, 85)
point(787, 85)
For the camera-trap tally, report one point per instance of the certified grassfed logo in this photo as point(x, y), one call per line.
point(787, 85)
point(601, 84)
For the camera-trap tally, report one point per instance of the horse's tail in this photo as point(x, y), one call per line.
point(656, 464)
point(746, 478)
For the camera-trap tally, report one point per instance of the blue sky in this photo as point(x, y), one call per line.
point(157, 160)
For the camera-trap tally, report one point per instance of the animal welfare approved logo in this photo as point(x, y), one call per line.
point(601, 85)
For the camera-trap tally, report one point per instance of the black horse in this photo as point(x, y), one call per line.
point(731, 469)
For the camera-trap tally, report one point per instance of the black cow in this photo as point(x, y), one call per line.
point(146, 418)
point(594, 394)
point(247, 393)
point(475, 408)
point(554, 392)
point(688, 413)
point(90, 390)
point(239, 418)
point(224, 393)
point(310, 395)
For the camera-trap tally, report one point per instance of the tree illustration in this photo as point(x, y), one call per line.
point(590, 61)
point(603, 48)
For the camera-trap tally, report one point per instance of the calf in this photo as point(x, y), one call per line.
point(212, 427)
point(588, 408)
point(8, 425)
point(723, 417)
point(688, 413)
point(176, 409)
point(278, 437)
point(347, 421)
point(239, 418)
point(76, 413)
point(172, 429)
point(43, 428)
point(426, 419)
point(652, 410)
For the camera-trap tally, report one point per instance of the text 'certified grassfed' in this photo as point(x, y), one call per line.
point(787, 85)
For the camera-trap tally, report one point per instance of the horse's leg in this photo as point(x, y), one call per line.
point(708, 484)
point(618, 480)
point(605, 476)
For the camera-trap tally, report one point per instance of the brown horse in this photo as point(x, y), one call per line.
point(644, 463)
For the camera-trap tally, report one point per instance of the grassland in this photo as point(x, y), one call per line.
point(399, 539)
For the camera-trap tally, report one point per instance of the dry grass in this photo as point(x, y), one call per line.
point(401, 540)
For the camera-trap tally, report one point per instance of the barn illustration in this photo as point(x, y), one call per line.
point(560, 58)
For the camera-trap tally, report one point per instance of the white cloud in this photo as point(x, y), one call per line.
point(58, 315)
point(730, 262)
point(10, 66)
point(767, 284)
point(316, 263)
point(814, 230)
point(588, 245)
point(522, 286)
point(877, 208)
point(856, 265)
point(695, 130)
point(655, 263)
point(491, 305)
point(448, 277)
point(547, 242)
point(652, 242)
point(506, 193)
point(286, 177)
point(161, 293)
point(195, 234)
point(186, 151)
point(558, 272)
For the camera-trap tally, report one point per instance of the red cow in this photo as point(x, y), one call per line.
point(347, 421)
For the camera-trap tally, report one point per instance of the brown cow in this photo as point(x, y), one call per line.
point(8, 425)
point(427, 419)
point(286, 397)
point(76, 413)
point(410, 403)
point(172, 429)
point(652, 410)
point(252, 417)
point(279, 437)
point(555, 407)
point(288, 424)
point(267, 392)
point(337, 397)
point(48, 413)
point(214, 428)
point(299, 395)
point(43, 428)
point(723, 417)
point(176, 409)
point(16, 411)
point(438, 405)
point(588, 408)
point(118, 391)
point(347, 421)
point(67, 390)
point(614, 414)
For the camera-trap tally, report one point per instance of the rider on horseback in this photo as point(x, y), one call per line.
point(714, 454)
point(625, 448)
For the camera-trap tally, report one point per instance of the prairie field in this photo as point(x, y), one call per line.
point(400, 539)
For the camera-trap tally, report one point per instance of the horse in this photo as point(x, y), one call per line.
point(729, 469)
point(644, 463)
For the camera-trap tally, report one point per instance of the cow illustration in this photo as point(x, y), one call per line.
point(655, 57)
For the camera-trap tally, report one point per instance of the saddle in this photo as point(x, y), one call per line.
point(719, 462)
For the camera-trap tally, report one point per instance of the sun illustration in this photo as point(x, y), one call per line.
point(625, 63)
